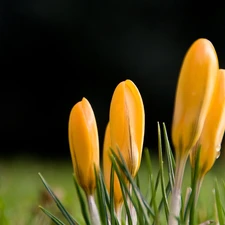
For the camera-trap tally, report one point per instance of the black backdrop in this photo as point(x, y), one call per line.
point(55, 52)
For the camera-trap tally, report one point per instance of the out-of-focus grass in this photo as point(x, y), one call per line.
point(21, 190)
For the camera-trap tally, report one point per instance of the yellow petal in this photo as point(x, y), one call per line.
point(118, 197)
point(127, 121)
point(84, 144)
point(194, 90)
point(213, 129)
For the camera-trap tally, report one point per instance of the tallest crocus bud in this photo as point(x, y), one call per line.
point(195, 87)
point(194, 90)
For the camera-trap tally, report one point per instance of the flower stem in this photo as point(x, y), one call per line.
point(118, 212)
point(95, 219)
point(175, 203)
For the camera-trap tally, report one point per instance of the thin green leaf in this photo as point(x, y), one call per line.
point(170, 158)
point(106, 194)
point(101, 199)
point(112, 196)
point(126, 205)
point(152, 186)
point(51, 216)
point(124, 189)
point(69, 218)
point(138, 181)
point(137, 193)
point(140, 217)
point(162, 173)
point(168, 190)
point(219, 205)
point(190, 210)
point(82, 200)
point(156, 186)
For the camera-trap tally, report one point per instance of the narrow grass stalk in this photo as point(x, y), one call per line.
point(144, 207)
point(95, 219)
point(54, 219)
point(102, 198)
point(219, 205)
point(196, 191)
point(196, 182)
point(175, 203)
point(166, 207)
point(65, 213)
point(152, 202)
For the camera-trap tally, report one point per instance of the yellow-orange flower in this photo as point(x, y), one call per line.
point(118, 197)
point(194, 90)
point(84, 144)
point(127, 122)
point(213, 129)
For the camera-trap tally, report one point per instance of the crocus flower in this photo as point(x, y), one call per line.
point(84, 144)
point(213, 129)
point(194, 90)
point(127, 121)
point(195, 87)
point(118, 197)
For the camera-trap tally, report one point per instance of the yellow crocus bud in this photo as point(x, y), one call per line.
point(194, 90)
point(84, 144)
point(213, 129)
point(127, 122)
point(107, 163)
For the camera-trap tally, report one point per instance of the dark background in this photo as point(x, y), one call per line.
point(54, 52)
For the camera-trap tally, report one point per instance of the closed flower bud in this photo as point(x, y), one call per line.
point(213, 129)
point(107, 163)
point(84, 144)
point(127, 121)
point(194, 90)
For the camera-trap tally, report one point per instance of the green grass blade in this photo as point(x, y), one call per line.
point(51, 216)
point(69, 218)
point(144, 205)
point(156, 186)
point(168, 190)
point(152, 186)
point(139, 215)
point(166, 205)
point(101, 198)
point(82, 200)
point(170, 158)
point(138, 181)
point(219, 205)
point(112, 196)
point(124, 189)
point(190, 210)
point(126, 205)
point(105, 191)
